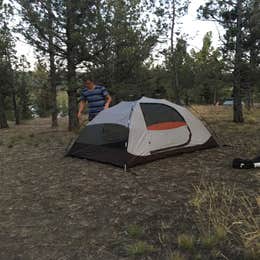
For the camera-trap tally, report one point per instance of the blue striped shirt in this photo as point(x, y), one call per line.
point(96, 99)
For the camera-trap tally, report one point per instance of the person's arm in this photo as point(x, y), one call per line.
point(107, 97)
point(108, 101)
point(82, 105)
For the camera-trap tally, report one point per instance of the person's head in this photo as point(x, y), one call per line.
point(89, 83)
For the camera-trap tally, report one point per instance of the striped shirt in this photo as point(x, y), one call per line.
point(96, 99)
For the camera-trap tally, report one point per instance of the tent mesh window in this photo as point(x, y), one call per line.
point(109, 135)
point(159, 113)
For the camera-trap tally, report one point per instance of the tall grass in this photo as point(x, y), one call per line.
point(226, 217)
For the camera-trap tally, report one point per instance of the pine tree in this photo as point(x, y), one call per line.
point(232, 16)
point(6, 58)
point(39, 30)
point(64, 29)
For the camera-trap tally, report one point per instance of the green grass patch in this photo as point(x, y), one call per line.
point(225, 218)
point(31, 135)
point(198, 256)
point(140, 248)
point(15, 139)
point(176, 256)
point(211, 240)
point(208, 241)
point(135, 231)
point(186, 242)
point(220, 233)
point(250, 119)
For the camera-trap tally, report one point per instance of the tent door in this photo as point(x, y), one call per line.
point(168, 139)
point(166, 127)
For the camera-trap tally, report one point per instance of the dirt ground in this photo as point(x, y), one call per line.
point(54, 207)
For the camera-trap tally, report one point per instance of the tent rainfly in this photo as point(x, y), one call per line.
point(132, 133)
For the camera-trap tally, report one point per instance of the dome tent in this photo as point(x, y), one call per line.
point(132, 133)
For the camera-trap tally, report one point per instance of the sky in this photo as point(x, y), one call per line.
point(194, 28)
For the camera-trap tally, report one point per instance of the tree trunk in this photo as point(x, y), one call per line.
point(252, 99)
point(174, 71)
point(71, 66)
point(72, 94)
point(13, 91)
point(16, 111)
point(73, 108)
point(3, 119)
point(254, 46)
point(215, 99)
point(186, 100)
point(177, 85)
point(253, 70)
point(237, 107)
point(15, 107)
point(248, 95)
point(54, 114)
point(25, 112)
point(52, 75)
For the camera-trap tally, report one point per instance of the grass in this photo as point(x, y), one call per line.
point(225, 215)
point(186, 242)
point(222, 118)
point(208, 241)
point(251, 120)
point(33, 140)
point(135, 231)
point(225, 220)
point(176, 256)
point(140, 248)
point(15, 139)
point(215, 221)
point(134, 244)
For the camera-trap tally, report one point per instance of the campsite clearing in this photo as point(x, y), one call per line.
point(53, 207)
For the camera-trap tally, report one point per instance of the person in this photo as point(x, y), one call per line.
point(97, 97)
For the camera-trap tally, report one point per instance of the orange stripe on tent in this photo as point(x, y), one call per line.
point(166, 125)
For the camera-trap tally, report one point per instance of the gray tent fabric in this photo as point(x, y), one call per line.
point(118, 114)
point(131, 133)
